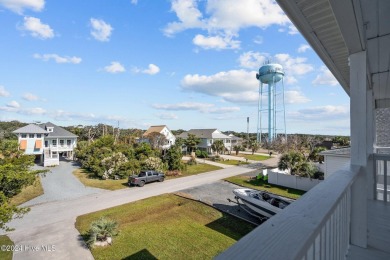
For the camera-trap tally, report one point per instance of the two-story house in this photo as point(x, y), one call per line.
point(47, 141)
point(150, 137)
point(208, 137)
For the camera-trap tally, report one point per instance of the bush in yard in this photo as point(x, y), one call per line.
point(173, 173)
point(201, 154)
point(101, 232)
point(192, 161)
point(153, 163)
point(112, 165)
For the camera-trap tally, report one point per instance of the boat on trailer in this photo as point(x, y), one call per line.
point(261, 202)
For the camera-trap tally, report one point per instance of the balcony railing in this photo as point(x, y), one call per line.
point(382, 176)
point(317, 226)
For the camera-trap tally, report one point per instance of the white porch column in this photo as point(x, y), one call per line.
point(360, 129)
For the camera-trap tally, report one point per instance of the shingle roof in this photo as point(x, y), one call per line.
point(30, 129)
point(57, 130)
point(154, 129)
point(204, 133)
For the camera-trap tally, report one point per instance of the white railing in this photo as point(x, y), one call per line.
point(382, 176)
point(317, 226)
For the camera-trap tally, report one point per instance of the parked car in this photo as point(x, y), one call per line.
point(145, 177)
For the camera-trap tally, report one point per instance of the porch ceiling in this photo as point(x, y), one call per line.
point(338, 28)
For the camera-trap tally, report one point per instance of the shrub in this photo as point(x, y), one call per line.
point(192, 161)
point(201, 154)
point(102, 230)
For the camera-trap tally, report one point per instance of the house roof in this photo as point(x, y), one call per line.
point(30, 129)
point(154, 129)
point(57, 130)
point(205, 133)
point(342, 152)
point(235, 137)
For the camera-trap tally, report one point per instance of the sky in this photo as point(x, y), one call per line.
point(182, 63)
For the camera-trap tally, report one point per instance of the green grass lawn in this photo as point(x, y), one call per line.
point(232, 162)
point(28, 193)
point(5, 255)
point(199, 168)
point(254, 157)
point(167, 227)
point(246, 181)
point(82, 175)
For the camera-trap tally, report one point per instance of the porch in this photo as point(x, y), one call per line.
point(328, 222)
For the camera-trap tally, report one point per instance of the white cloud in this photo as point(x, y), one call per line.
point(134, 2)
point(37, 28)
point(325, 78)
point(31, 97)
point(292, 30)
point(224, 19)
point(57, 58)
point(215, 42)
point(167, 116)
point(194, 106)
point(303, 48)
point(253, 60)
point(321, 113)
point(236, 86)
point(295, 97)
point(221, 83)
point(114, 67)
point(18, 6)
point(258, 39)
point(13, 104)
point(3, 92)
point(23, 111)
point(101, 30)
point(152, 69)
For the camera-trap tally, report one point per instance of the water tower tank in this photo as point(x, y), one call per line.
point(271, 73)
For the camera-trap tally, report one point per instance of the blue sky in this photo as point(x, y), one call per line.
point(183, 63)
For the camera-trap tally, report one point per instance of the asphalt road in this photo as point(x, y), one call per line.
point(51, 225)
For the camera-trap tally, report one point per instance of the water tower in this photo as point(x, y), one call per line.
point(269, 75)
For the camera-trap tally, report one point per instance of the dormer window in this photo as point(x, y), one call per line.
point(50, 129)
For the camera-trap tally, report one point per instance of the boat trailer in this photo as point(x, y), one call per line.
point(242, 206)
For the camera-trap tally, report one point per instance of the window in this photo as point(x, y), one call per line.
point(142, 174)
point(68, 142)
point(150, 174)
point(24, 135)
point(155, 173)
point(54, 142)
point(50, 129)
point(62, 142)
point(39, 135)
point(30, 135)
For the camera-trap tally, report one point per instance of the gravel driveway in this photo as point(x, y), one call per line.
point(217, 194)
point(61, 184)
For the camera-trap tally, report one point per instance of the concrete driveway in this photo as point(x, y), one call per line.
point(52, 223)
point(61, 184)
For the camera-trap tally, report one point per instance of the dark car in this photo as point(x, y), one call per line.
point(145, 177)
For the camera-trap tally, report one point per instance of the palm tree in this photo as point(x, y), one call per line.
point(102, 230)
point(218, 146)
point(254, 145)
point(237, 148)
point(293, 161)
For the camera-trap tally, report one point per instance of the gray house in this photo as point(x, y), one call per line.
point(47, 141)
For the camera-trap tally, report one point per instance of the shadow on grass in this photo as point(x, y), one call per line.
point(144, 254)
point(231, 226)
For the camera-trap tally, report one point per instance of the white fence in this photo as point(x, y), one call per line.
point(292, 181)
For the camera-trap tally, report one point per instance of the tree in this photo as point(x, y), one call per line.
point(218, 146)
point(156, 140)
point(254, 146)
point(293, 161)
point(112, 164)
point(173, 158)
point(315, 154)
point(153, 163)
point(191, 142)
point(237, 148)
point(15, 174)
